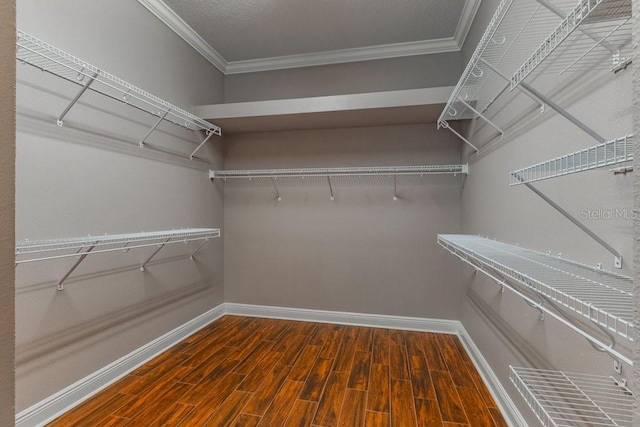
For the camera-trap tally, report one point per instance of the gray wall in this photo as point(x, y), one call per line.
point(363, 252)
point(7, 211)
point(412, 72)
point(505, 329)
point(89, 177)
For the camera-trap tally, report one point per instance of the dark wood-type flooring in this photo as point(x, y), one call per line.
point(242, 371)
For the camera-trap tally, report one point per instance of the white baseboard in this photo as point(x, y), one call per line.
point(48, 409)
point(55, 405)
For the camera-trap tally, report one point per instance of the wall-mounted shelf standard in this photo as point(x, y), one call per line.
point(80, 247)
point(603, 297)
point(35, 52)
point(612, 152)
point(391, 171)
point(595, 33)
point(568, 399)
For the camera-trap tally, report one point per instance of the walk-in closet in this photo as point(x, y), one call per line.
point(322, 214)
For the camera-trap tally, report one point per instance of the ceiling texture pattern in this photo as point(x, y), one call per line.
point(255, 35)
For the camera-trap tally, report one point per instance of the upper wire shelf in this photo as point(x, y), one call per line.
point(335, 172)
point(609, 153)
point(604, 297)
point(568, 399)
point(517, 28)
point(33, 51)
point(595, 34)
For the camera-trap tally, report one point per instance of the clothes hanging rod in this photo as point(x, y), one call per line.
point(35, 52)
point(571, 399)
point(336, 172)
point(619, 150)
point(603, 297)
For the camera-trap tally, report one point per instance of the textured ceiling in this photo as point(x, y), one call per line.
point(241, 30)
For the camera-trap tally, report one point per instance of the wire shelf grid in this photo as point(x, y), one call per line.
point(603, 297)
point(517, 28)
point(35, 52)
point(609, 153)
point(568, 399)
point(347, 171)
point(595, 34)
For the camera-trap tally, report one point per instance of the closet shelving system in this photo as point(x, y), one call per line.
point(80, 247)
point(592, 34)
point(35, 52)
point(329, 173)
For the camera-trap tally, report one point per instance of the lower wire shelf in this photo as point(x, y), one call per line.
point(568, 399)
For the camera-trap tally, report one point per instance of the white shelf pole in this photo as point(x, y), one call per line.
point(75, 99)
point(77, 263)
point(141, 143)
point(209, 135)
point(160, 246)
point(273, 181)
point(330, 187)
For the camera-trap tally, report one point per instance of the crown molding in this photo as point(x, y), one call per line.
point(466, 20)
point(181, 28)
point(451, 44)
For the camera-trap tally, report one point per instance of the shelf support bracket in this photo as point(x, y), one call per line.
point(77, 263)
point(564, 113)
point(160, 246)
point(75, 99)
point(479, 114)
point(273, 181)
point(198, 248)
point(395, 187)
point(445, 125)
point(330, 188)
point(617, 261)
point(162, 116)
point(209, 135)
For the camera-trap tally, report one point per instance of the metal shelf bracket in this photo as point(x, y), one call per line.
point(161, 118)
point(273, 181)
point(160, 246)
point(209, 135)
point(77, 263)
point(76, 98)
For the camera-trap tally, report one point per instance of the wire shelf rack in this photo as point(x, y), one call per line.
point(80, 247)
point(595, 34)
point(609, 153)
point(335, 172)
point(568, 399)
point(517, 28)
point(603, 297)
point(35, 52)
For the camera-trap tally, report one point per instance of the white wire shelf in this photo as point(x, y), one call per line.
point(335, 172)
point(609, 153)
point(41, 250)
point(35, 52)
point(595, 34)
point(517, 28)
point(568, 399)
point(603, 297)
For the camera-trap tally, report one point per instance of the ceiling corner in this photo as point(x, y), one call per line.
point(173, 21)
point(466, 20)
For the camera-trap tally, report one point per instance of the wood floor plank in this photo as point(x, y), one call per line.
point(396, 337)
point(498, 419)
point(432, 353)
point(403, 412)
point(114, 421)
point(420, 378)
point(428, 413)
point(173, 416)
point(454, 362)
point(480, 386)
point(229, 410)
point(359, 378)
point(151, 406)
point(302, 414)
point(365, 339)
point(351, 332)
point(322, 334)
point(214, 360)
point(381, 347)
point(414, 343)
point(332, 344)
point(201, 390)
point(377, 419)
point(448, 399)
point(219, 392)
point(307, 358)
point(101, 414)
point(398, 362)
point(253, 358)
point(475, 408)
point(331, 400)
point(378, 397)
point(344, 358)
point(254, 378)
point(161, 359)
point(263, 397)
point(246, 420)
point(353, 409)
point(279, 410)
point(316, 380)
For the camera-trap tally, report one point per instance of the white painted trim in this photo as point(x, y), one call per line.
point(500, 395)
point(345, 55)
point(181, 28)
point(422, 47)
point(51, 407)
point(466, 20)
